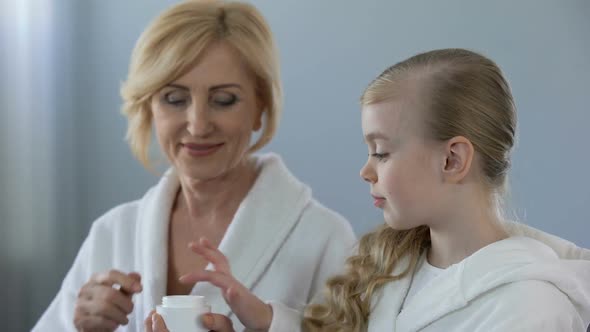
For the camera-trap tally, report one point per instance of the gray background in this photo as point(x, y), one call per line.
point(64, 161)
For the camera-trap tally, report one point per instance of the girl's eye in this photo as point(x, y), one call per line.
point(379, 156)
point(224, 99)
point(176, 98)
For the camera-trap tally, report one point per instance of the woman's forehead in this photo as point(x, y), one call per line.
point(219, 64)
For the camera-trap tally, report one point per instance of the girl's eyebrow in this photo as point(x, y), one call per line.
point(375, 136)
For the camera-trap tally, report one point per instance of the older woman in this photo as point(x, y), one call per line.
point(205, 76)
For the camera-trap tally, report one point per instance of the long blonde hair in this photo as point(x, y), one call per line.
point(173, 43)
point(464, 94)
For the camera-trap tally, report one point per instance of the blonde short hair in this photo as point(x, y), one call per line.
point(172, 44)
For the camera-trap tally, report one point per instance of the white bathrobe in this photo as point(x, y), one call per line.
point(517, 284)
point(281, 244)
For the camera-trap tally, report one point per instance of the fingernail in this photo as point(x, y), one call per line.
point(207, 320)
point(136, 287)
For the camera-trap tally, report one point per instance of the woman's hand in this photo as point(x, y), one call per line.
point(155, 323)
point(100, 306)
point(250, 310)
point(213, 322)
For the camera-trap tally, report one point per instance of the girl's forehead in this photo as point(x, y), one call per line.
point(385, 113)
point(389, 119)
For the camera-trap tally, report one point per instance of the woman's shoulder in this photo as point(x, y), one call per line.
point(125, 215)
point(319, 219)
point(325, 223)
point(322, 217)
point(117, 218)
point(315, 218)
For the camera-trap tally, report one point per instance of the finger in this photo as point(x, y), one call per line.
point(105, 295)
point(216, 278)
point(127, 283)
point(93, 291)
point(217, 322)
point(147, 323)
point(232, 295)
point(135, 276)
point(93, 323)
point(238, 296)
point(158, 324)
point(116, 298)
point(87, 290)
point(106, 310)
point(206, 243)
point(212, 254)
point(252, 311)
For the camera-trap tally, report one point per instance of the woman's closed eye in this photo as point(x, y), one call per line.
point(176, 98)
point(223, 99)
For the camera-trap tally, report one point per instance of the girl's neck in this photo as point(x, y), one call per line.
point(464, 232)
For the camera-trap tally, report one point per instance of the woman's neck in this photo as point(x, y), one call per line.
point(205, 199)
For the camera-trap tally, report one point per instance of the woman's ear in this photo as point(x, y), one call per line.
point(260, 109)
point(258, 120)
point(459, 153)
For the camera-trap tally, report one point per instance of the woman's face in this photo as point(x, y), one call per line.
point(204, 120)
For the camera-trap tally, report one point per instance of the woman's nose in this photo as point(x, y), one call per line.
point(198, 122)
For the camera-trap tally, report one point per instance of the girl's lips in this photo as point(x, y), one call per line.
point(378, 201)
point(201, 150)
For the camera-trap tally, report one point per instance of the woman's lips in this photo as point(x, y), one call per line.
point(201, 150)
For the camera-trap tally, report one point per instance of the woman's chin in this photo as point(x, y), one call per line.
point(199, 172)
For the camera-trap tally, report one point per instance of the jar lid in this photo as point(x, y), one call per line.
point(183, 301)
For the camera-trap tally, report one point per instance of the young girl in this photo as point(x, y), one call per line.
point(439, 127)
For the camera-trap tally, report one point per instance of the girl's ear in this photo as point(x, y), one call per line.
point(458, 158)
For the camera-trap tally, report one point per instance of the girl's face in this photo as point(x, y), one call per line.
point(403, 167)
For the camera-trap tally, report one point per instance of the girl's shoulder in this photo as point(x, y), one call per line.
point(529, 305)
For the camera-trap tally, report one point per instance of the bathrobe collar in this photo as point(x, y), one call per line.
point(261, 224)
